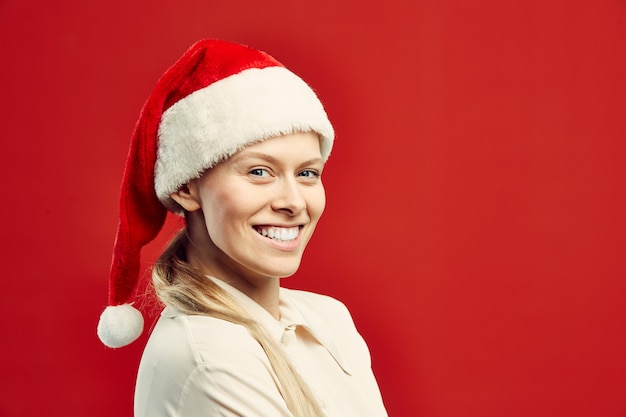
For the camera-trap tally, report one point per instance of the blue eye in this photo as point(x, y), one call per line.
point(259, 172)
point(309, 173)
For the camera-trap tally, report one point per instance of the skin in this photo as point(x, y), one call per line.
point(275, 183)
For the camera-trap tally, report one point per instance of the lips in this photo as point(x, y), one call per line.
point(278, 233)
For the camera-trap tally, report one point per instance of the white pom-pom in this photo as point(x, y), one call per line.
point(120, 325)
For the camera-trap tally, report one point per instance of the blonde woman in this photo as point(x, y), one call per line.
point(235, 143)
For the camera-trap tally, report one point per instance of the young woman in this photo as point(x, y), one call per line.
point(235, 143)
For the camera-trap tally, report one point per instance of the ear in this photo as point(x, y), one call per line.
point(187, 197)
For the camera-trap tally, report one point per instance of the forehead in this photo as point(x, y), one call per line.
point(294, 146)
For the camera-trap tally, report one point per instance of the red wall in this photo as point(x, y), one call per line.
point(475, 223)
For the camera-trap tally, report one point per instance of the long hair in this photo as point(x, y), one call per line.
point(183, 287)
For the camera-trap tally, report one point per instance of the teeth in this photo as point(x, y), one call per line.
point(279, 233)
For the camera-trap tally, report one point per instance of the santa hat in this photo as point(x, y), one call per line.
point(216, 99)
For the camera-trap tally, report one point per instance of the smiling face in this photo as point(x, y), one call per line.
point(260, 208)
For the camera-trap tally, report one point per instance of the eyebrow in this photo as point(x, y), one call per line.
point(271, 159)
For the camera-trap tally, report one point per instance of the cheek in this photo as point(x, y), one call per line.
point(317, 203)
point(228, 212)
point(219, 213)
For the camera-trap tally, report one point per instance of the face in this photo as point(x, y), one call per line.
point(260, 208)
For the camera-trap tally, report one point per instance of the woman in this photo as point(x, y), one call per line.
point(235, 143)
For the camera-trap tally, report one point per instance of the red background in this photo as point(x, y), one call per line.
point(475, 224)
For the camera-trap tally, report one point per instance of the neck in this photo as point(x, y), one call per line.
point(264, 295)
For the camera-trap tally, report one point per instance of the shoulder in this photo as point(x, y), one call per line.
point(202, 339)
point(180, 345)
point(199, 364)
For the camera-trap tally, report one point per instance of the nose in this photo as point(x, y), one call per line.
point(289, 198)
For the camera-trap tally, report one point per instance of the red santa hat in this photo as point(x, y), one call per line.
point(216, 99)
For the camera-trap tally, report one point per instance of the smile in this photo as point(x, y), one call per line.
point(278, 233)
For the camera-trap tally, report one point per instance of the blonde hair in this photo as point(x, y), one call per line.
point(183, 287)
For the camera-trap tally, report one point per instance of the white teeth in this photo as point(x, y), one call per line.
point(279, 233)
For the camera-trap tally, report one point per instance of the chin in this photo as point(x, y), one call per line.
point(282, 271)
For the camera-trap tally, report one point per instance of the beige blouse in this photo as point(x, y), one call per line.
point(196, 366)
